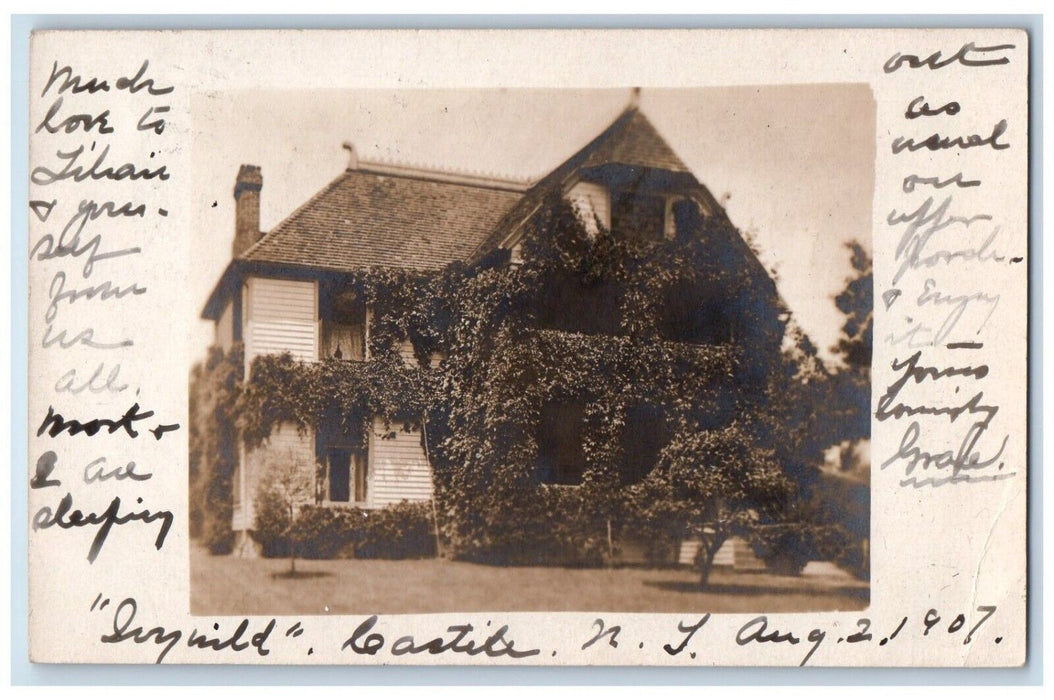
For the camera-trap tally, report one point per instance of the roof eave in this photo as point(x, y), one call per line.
point(217, 300)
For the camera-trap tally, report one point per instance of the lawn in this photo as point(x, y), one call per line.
point(227, 585)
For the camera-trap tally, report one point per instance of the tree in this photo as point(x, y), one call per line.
point(850, 393)
point(285, 487)
point(713, 485)
point(846, 494)
point(856, 301)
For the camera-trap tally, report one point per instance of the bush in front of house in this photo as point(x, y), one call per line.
point(400, 531)
point(271, 527)
point(328, 532)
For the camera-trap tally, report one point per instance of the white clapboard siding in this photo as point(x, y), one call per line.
point(284, 445)
point(282, 316)
point(591, 200)
point(724, 557)
point(398, 467)
point(406, 352)
point(745, 559)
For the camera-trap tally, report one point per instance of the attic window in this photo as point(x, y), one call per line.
point(638, 215)
point(592, 203)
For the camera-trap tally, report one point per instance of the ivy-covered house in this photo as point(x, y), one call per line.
point(545, 360)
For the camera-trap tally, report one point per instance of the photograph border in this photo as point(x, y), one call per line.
point(24, 673)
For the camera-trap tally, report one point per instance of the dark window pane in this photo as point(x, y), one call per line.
point(570, 304)
point(638, 215)
point(339, 475)
point(560, 456)
point(688, 319)
point(645, 434)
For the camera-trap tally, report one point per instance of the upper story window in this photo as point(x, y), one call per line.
point(342, 341)
point(691, 316)
point(636, 214)
point(592, 204)
point(343, 328)
point(567, 303)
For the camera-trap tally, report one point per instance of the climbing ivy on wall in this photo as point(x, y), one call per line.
point(691, 326)
point(215, 388)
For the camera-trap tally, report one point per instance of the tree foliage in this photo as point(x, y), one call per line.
point(856, 301)
point(284, 489)
point(215, 386)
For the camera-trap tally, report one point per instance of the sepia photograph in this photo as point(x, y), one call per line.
point(531, 350)
point(680, 348)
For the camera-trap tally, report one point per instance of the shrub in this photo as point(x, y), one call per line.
point(328, 532)
point(785, 548)
point(216, 532)
point(271, 527)
point(281, 495)
point(399, 531)
point(550, 526)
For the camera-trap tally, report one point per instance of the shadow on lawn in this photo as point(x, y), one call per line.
point(300, 574)
point(861, 593)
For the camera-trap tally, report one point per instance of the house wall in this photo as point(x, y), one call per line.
point(284, 446)
point(398, 467)
point(225, 327)
point(725, 556)
point(281, 316)
point(406, 352)
point(590, 197)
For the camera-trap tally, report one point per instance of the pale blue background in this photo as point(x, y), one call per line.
point(23, 673)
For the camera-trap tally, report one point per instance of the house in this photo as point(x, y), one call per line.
point(287, 290)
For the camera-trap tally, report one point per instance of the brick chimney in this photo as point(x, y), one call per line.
point(246, 208)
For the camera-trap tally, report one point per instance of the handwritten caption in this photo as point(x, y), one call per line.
point(943, 290)
point(97, 191)
point(372, 637)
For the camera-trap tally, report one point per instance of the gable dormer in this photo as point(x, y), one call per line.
point(630, 178)
point(627, 179)
point(628, 211)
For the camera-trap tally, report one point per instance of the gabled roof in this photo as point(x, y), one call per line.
point(392, 216)
point(632, 140)
point(629, 141)
point(365, 218)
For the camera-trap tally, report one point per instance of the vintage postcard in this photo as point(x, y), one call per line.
point(620, 347)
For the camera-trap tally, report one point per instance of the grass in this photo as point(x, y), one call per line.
point(227, 585)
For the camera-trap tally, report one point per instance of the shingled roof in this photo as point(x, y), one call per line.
point(632, 140)
point(368, 218)
point(629, 141)
point(377, 215)
point(363, 219)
